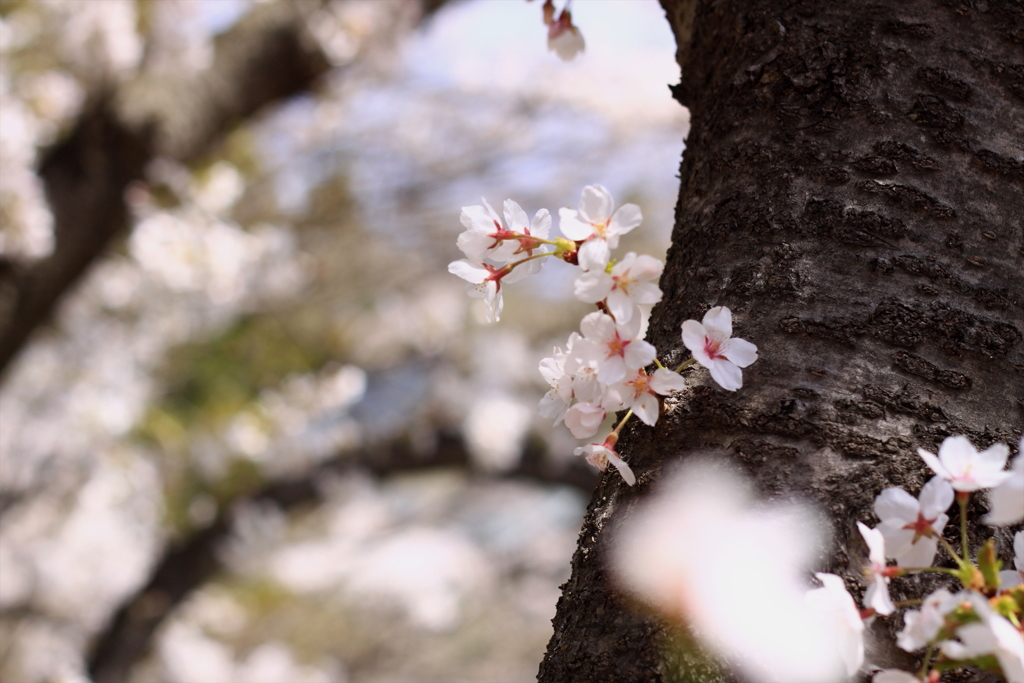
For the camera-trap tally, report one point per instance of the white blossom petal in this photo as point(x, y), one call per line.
point(647, 408)
point(593, 286)
point(594, 254)
point(472, 272)
point(740, 352)
point(665, 381)
point(596, 204)
point(572, 227)
point(627, 217)
point(719, 319)
point(728, 376)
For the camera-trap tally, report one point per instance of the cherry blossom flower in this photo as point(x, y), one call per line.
point(584, 419)
point(640, 392)
point(910, 526)
point(836, 606)
point(993, 635)
point(485, 282)
point(877, 597)
point(564, 38)
point(689, 554)
point(599, 455)
point(559, 397)
point(626, 286)
point(1006, 500)
point(539, 228)
point(595, 223)
point(485, 237)
point(1008, 578)
point(920, 627)
point(712, 345)
point(612, 347)
point(964, 467)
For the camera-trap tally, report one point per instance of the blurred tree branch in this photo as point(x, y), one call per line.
point(267, 57)
point(188, 565)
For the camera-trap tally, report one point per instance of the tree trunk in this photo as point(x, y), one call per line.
point(852, 190)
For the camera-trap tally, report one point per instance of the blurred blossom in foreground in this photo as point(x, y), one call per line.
point(704, 553)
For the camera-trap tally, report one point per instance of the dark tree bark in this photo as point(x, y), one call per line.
point(852, 190)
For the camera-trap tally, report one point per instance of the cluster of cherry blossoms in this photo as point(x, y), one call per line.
point(603, 368)
point(687, 554)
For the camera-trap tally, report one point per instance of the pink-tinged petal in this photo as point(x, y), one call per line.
point(593, 286)
point(614, 398)
point(520, 273)
point(728, 376)
point(694, 335)
point(940, 523)
point(597, 327)
point(740, 352)
point(936, 497)
point(664, 382)
point(646, 408)
point(474, 244)
point(612, 370)
point(875, 542)
point(552, 406)
point(479, 218)
point(495, 302)
point(646, 268)
point(596, 204)
point(919, 554)
point(477, 291)
point(639, 354)
point(619, 304)
point(584, 419)
point(571, 225)
point(878, 598)
point(623, 468)
point(515, 218)
point(625, 219)
point(934, 463)
point(567, 44)
point(719, 319)
point(896, 504)
point(897, 539)
point(957, 455)
point(630, 329)
point(646, 293)
point(993, 458)
point(551, 370)
point(625, 264)
point(594, 254)
point(1006, 501)
point(469, 271)
point(541, 226)
point(490, 210)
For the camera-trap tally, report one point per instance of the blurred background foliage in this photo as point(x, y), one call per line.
point(273, 369)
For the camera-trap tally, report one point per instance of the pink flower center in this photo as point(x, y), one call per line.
point(713, 347)
point(922, 527)
point(616, 346)
point(641, 384)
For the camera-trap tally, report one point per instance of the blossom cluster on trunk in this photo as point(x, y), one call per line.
point(606, 367)
point(685, 554)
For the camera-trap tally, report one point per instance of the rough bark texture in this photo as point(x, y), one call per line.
point(852, 190)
